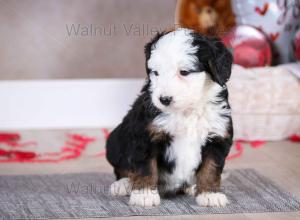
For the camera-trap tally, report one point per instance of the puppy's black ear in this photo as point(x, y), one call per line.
point(220, 62)
point(149, 47)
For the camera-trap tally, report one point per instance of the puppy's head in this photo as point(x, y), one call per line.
point(181, 64)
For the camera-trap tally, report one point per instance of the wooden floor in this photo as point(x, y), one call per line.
point(279, 161)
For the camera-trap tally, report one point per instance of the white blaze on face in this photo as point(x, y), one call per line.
point(172, 53)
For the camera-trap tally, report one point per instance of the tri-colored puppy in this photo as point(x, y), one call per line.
point(179, 130)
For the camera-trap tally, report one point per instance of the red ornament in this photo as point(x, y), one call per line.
point(250, 47)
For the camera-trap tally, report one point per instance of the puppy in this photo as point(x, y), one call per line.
point(179, 130)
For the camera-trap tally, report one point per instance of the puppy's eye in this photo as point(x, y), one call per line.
point(184, 72)
point(155, 73)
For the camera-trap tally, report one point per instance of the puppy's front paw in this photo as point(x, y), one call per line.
point(122, 187)
point(212, 199)
point(144, 197)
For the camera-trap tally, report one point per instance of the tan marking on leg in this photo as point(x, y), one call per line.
point(155, 134)
point(208, 185)
point(150, 181)
point(144, 188)
point(122, 173)
point(208, 177)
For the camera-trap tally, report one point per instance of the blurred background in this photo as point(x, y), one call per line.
point(63, 39)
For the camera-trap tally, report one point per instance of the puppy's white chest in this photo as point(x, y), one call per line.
point(185, 150)
point(186, 153)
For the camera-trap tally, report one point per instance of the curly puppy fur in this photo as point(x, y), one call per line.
point(178, 132)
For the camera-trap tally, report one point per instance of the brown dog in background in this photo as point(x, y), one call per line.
point(209, 17)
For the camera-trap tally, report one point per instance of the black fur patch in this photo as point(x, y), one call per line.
point(215, 57)
point(129, 146)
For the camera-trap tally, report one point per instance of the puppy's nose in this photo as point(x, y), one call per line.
point(165, 100)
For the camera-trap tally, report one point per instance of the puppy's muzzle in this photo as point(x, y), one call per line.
point(165, 100)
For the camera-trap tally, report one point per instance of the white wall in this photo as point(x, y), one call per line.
point(65, 103)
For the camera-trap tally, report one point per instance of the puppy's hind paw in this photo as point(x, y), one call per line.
point(122, 187)
point(212, 199)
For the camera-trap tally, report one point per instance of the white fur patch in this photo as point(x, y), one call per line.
point(122, 187)
point(144, 197)
point(190, 129)
point(212, 199)
point(174, 52)
point(185, 150)
point(191, 190)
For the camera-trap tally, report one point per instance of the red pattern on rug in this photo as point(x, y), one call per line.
point(238, 147)
point(73, 148)
point(76, 144)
